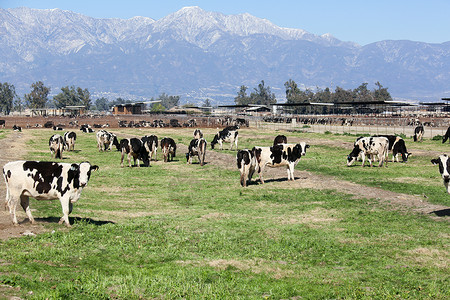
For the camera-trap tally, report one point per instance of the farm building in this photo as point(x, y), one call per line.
point(128, 109)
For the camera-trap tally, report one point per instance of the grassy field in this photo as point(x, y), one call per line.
point(176, 231)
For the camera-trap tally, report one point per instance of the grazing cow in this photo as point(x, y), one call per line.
point(247, 164)
point(69, 140)
point(45, 181)
point(135, 148)
point(444, 138)
point(369, 146)
point(57, 145)
point(198, 134)
point(105, 140)
point(169, 148)
point(444, 168)
point(57, 128)
point(397, 146)
point(17, 128)
point(228, 135)
point(280, 139)
point(151, 142)
point(418, 133)
point(2, 123)
point(197, 147)
point(279, 155)
point(86, 128)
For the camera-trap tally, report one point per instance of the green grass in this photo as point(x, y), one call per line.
point(176, 231)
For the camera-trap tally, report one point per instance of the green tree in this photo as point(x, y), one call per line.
point(38, 97)
point(242, 98)
point(102, 104)
point(381, 94)
point(169, 101)
point(7, 96)
point(157, 107)
point(71, 96)
point(207, 103)
point(84, 97)
point(262, 95)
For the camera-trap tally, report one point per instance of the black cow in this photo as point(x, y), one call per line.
point(17, 128)
point(2, 123)
point(45, 181)
point(397, 146)
point(197, 147)
point(169, 148)
point(135, 148)
point(151, 142)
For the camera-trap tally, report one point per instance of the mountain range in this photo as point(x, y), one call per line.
point(198, 54)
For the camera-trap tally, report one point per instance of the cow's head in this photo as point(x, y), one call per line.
point(444, 167)
point(215, 140)
point(81, 173)
point(351, 158)
point(303, 147)
point(405, 156)
point(115, 142)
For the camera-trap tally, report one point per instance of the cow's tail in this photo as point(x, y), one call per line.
point(444, 139)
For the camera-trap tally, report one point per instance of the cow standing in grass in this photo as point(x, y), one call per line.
point(69, 140)
point(151, 142)
point(56, 145)
point(228, 135)
point(369, 147)
point(134, 148)
point(197, 147)
point(168, 148)
point(247, 165)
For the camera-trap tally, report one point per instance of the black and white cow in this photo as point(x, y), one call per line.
point(198, 134)
point(169, 148)
point(247, 165)
point(69, 140)
point(2, 123)
point(197, 147)
point(444, 168)
point(57, 128)
point(228, 135)
point(17, 128)
point(45, 181)
point(135, 148)
point(446, 135)
point(418, 133)
point(397, 146)
point(151, 142)
point(279, 155)
point(105, 140)
point(369, 147)
point(280, 139)
point(57, 145)
point(86, 128)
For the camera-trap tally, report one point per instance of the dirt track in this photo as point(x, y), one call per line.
point(11, 148)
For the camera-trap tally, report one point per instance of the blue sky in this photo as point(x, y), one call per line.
point(358, 21)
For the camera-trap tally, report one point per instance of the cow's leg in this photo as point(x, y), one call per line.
point(25, 203)
point(261, 170)
point(129, 159)
point(221, 144)
point(447, 186)
point(231, 145)
point(66, 208)
point(11, 201)
point(290, 171)
point(363, 158)
point(121, 159)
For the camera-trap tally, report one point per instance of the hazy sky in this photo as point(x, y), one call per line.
point(360, 21)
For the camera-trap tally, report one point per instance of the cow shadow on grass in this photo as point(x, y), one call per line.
point(441, 213)
point(73, 220)
point(281, 179)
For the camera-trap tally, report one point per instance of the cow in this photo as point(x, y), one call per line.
point(57, 128)
point(370, 147)
point(418, 133)
point(169, 148)
point(135, 148)
point(279, 155)
point(397, 146)
point(86, 128)
point(17, 128)
point(151, 142)
point(198, 134)
point(444, 138)
point(69, 140)
point(197, 147)
point(444, 168)
point(105, 140)
point(280, 139)
point(45, 181)
point(229, 135)
point(57, 145)
point(2, 123)
point(247, 165)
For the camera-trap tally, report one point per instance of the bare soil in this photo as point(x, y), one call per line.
point(11, 148)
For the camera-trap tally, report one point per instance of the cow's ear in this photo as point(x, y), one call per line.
point(74, 167)
point(306, 146)
point(94, 168)
point(435, 161)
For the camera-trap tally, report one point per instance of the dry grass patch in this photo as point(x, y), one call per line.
point(428, 256)
point(315, 217)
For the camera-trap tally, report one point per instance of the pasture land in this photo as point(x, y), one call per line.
point(175, 231)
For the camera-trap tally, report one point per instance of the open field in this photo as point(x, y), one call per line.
point(175, 231)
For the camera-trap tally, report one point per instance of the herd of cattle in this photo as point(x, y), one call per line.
point(65, 181)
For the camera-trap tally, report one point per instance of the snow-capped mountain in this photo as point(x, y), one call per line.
point(199, 54)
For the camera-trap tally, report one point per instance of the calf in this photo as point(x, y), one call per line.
point(228, 135)
point(135, 148)
point(69, 140)
point(446, 135)
point(169, 148)
point(197, 147)
point(105, 140)
point(397, 146)
point(247, 164)
point(57, 145)
point(369, 146)
point(198, 134)
point(280, 139)
point(45, 181)
point(279, 155)
point(444, 168)
point(418, 133)
point(151, 142)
